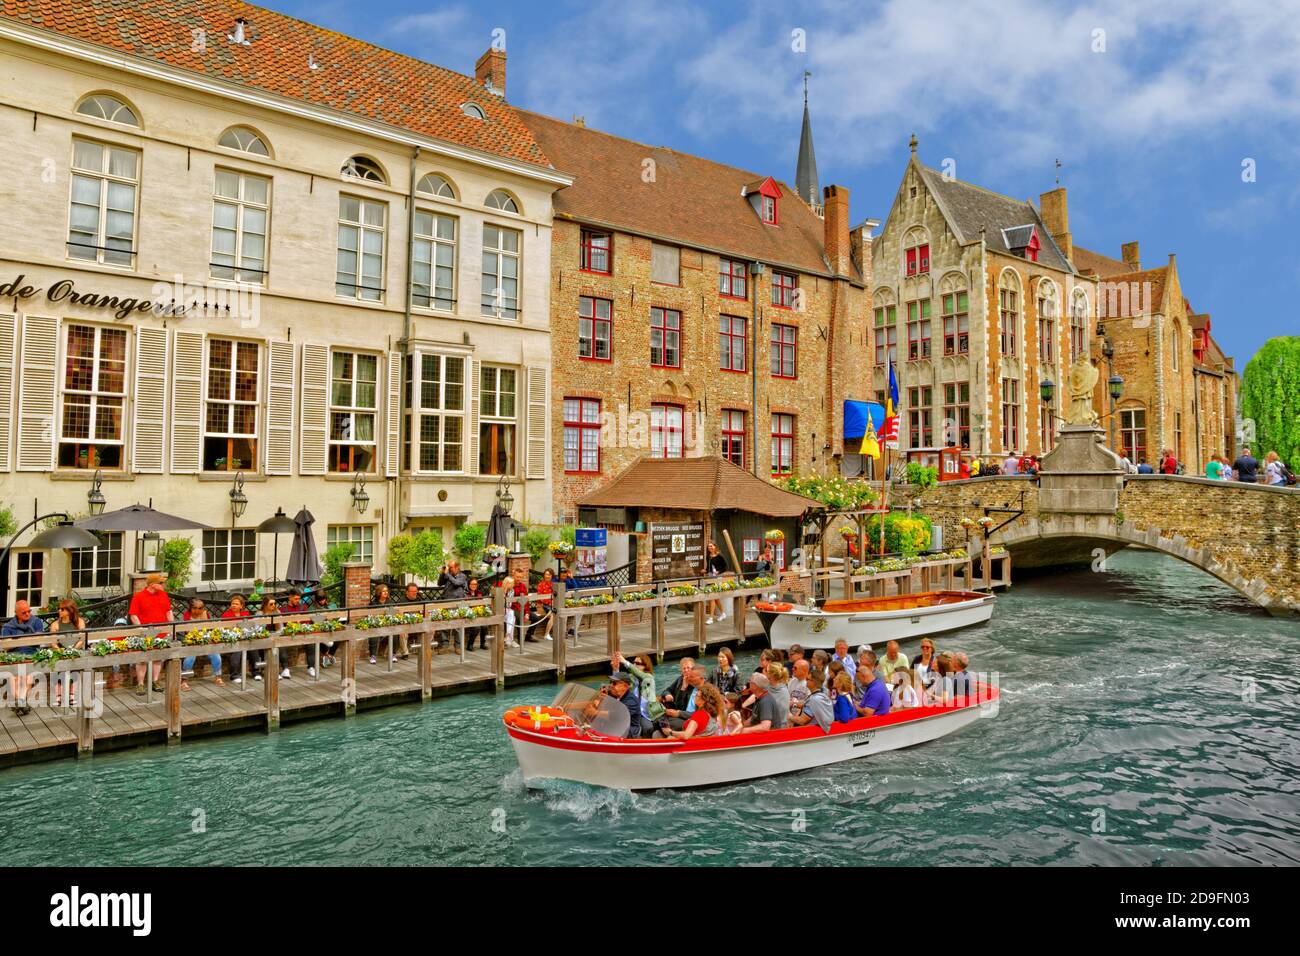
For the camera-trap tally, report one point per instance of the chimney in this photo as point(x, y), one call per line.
point(860, 244)
point(490, 70)
point(1129, 252)
point(835, 224)
point(240, 35)
point(1056, 217)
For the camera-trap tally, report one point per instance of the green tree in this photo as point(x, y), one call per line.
point(469, 542)
point(333, 561)
point(923, 476)
point(176, 558)
point(534, 541)
point(1270, 394)
point(420, 555)
point(7, 523)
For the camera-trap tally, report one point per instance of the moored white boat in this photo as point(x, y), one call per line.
point(874, 621)
point(574, 754)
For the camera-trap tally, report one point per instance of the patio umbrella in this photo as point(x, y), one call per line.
point(498, 529)
point(139, 518)
point(278, 524)
point(304, 564)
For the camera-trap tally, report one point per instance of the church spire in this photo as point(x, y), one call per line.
point(805, 177)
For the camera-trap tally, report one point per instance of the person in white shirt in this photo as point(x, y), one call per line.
point(842, 655)
point(904, 693)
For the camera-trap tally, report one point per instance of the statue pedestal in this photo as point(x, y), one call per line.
point(1080, 475)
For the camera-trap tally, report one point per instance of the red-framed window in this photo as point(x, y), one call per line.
point(956, 414)
point(1046, 332)
point(731, 343)
point(1009, 303)
point(733, 436)
point(956, 323)
point(665, 338)
point(733, 276)
point(918, 259)
point(1010, 415)
point(582, 435)
point(595, 334)
point(1046, 430)
point(782, 444)
point(597, 252)
point(768, 206)
point(920, 417)
point(1133, 433)
point(918, 330)
point(751, 549)
point(785, 351)
point(886, 334)
point(784, 287)
point(666, 430)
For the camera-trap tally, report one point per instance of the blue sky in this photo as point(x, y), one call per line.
point(1153, 108)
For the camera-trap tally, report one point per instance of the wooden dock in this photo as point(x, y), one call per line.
point(126, 719)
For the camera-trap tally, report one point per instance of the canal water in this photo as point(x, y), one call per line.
point(1148, 717)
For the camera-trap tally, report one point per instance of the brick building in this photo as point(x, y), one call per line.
point(696, 309)
point(976, 300)
point(1180, 390)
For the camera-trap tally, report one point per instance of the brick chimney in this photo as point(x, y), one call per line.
point(1129, 252)
point(1056, 217)
point(490, 70)
point(835, 224)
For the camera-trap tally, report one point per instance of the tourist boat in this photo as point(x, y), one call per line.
point(873, 621)
point(566, 751)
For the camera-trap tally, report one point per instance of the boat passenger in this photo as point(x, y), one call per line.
point(767, 715)
point(795, 653)
point(843, 687)
point(833, 671)
point(875, 694)
point(676, 717)
point(620, 688)
point(820, 660)
point(924, 665)
point(726, 676)
point(817, 709)
point(799, 689)
point(642, 671)
point(779, 677)
point(735, 723)
point(893, 660)
point(706, 721)
point(843, 657)
point(674, 692)
point(765, 657)
point(962, 686)
point(904, 693)
point(941, 689)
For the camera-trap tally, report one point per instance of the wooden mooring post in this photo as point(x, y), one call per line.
point(172, 695)
point(499, 644)
point(559, 629)
point(271, 688)
point(613, 621)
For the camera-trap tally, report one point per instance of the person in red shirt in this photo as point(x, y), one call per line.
point(542, 608)
point(1168, 463)
point(964, 470)
point(151, 605)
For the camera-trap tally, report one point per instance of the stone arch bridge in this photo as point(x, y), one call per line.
point(1247, 536)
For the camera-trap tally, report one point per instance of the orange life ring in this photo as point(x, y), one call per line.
point(773, 606)
point(537, 718)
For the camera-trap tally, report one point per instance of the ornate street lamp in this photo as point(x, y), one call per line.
point(148, 550)
point(94, 497)
point(504, 498)
point(360, 499)
point(1046, 389)
point(238, 500)
point(1116, 387)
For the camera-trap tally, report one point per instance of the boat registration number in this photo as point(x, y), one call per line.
point(862, 738)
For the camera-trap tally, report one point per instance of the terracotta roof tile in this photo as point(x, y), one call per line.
point(1085, 260)
point(696, 484)
point(1126, 302)
point(689, 200)
point(351, 76)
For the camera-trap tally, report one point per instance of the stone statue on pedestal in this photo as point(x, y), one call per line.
point(1083, 379)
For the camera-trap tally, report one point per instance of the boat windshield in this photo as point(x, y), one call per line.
point(606, 716)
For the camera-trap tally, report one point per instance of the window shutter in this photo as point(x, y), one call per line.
point(36, 429)
point(8, 331)
point(537, 378)
point(150, 401)
point(393, 416)
point(315, 409)
point(475, 373)
point(279, 410)
point(187, 402)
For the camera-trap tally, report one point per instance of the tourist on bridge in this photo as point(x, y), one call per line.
point(1168, 463)
point(1144, 468)
point(1274, 471)
point(1214, 468)
point(1011, 465)
point(150, 605)
point(1246, 468)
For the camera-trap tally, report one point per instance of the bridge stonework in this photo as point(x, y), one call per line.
point(1247, 536)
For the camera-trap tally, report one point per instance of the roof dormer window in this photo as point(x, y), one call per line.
point(765, 198)
point(1023, 241)
point(769, 210)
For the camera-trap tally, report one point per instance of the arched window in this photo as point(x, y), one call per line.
point(1078, 325)
point(105, 106)
point(916, 251)
point(1048, 310)
point(245, 140)
point(1175, 342)
point(433, 184)
point(1009, 312)
point(954, 307)
point(365, 169)
point(500, 199)
point(473, 111)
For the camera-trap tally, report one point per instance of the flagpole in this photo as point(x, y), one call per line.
point(884, 497)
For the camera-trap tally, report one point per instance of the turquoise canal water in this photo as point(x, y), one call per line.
point(1124, 738)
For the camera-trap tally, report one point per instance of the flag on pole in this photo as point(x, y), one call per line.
point(889, 428)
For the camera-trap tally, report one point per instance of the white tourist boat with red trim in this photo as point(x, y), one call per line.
point(565, 751)
point(873, 622)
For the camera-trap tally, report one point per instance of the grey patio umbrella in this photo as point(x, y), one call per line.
point(278, 524)
point(304, 564)
point(498, 529)
point(139, 518)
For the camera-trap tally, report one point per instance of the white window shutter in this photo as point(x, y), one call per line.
point(149, 401)
point(187, 402)
point(37, 433)
point(393, 416)
point(475, 373)
point(537, 382)
point(279, 409)
point(8, 336)
point(313, 442)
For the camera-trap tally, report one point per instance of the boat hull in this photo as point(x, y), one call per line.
point(812, 628)
point(710, 761)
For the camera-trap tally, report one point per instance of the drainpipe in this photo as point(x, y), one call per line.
point(755, 270)
point(395, 518)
